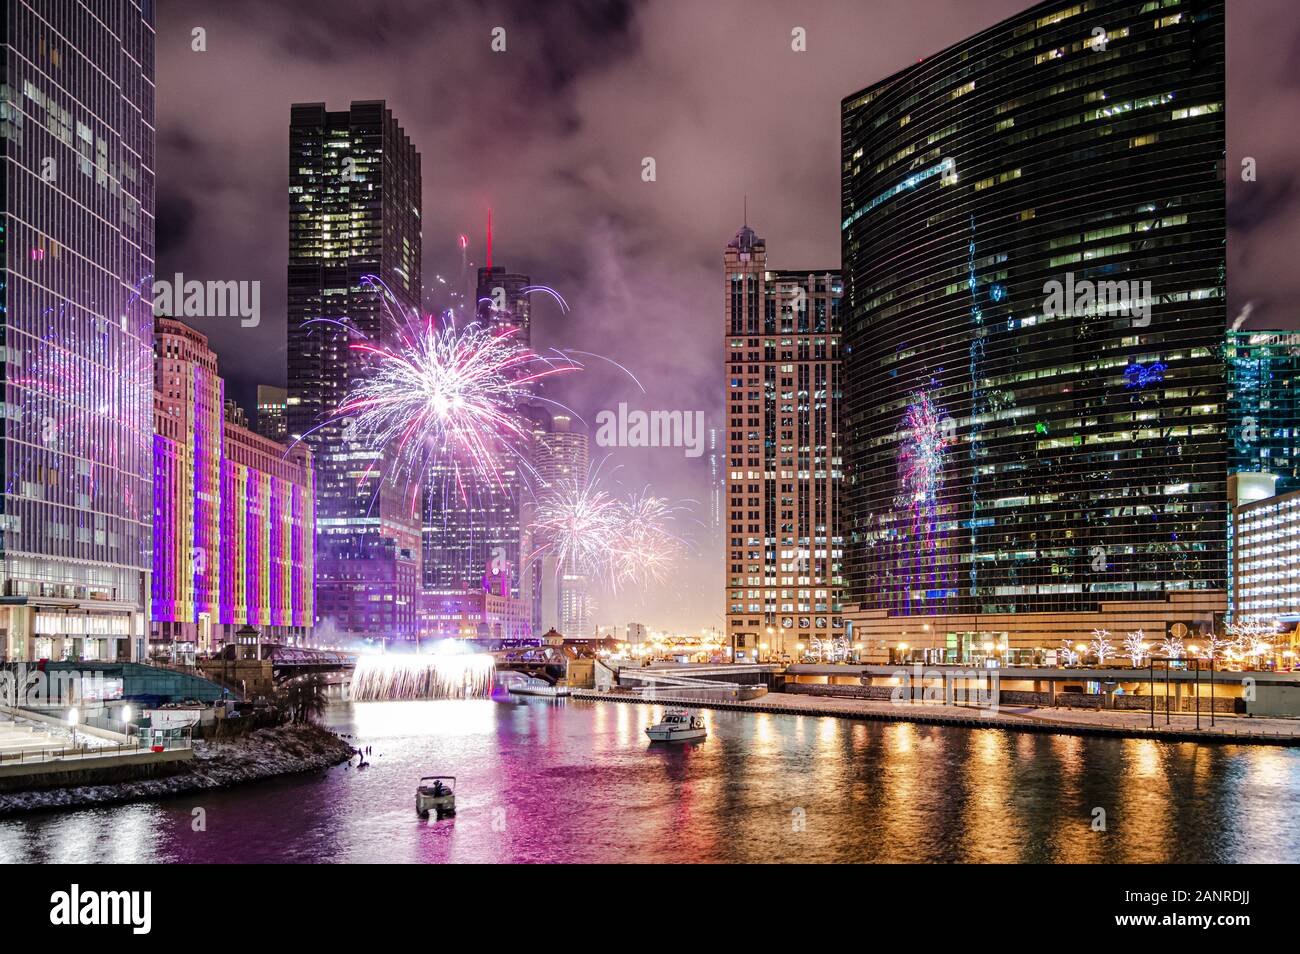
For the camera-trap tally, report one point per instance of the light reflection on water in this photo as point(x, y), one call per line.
point(577, 781)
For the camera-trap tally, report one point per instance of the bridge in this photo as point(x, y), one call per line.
point(288, 662)
point(547, 663)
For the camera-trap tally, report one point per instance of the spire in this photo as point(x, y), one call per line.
point(747, 210)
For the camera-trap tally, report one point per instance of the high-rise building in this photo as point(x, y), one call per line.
point(1033, 235)
point(561, 452)
point(1264, 404)
point(272, 410)
point(77, 254)
point(473, 525)
point(354, 212)
point(234, 512)
point(783, 458)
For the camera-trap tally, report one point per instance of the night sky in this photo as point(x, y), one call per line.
point(551, 133)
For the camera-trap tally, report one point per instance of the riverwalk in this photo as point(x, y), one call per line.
point(1115, 723)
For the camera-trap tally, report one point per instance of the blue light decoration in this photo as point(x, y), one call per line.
point(997, 291)
point(1138, 376)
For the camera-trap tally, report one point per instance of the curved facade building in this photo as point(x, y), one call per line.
point(1033, 238)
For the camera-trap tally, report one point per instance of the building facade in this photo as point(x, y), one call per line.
point(473, 525)
point(77, 253)
point(234, 513)
point(272, 413)
point(561, 452)
point(1033, 235)
point(782, 550)
point(354, 212)
point(1264, 404)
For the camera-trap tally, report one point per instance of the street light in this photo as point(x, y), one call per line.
point(73, 718)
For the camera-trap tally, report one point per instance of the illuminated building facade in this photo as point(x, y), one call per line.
point(1264, 404)
point(1266, 557)
point(76, 253)
point(1033, 234)
point(782, 550)
point(234, 512)
point(354, 211)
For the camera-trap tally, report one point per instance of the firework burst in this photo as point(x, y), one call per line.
point(445, 394)
point(617, 541)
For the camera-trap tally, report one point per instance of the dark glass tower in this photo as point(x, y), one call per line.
point(1013, 444)
point(76, 328)
point(1264, 404)
point(354, 211)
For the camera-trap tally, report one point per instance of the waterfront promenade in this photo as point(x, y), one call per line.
point(1115, 723)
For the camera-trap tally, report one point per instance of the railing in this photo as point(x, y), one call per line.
point(63, 752)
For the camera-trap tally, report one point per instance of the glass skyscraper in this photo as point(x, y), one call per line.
point(1033, 234)
point(1264, 404)
point(77, 252)
point(354, 212)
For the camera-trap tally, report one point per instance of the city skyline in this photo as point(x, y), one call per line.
point(569, 207)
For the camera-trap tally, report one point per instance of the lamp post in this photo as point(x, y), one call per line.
point(73, 718)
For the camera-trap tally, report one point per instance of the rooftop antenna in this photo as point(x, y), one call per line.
point(489, 241)
point(746, 210)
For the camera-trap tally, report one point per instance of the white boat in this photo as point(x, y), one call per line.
point(435, 796)
point(678, 725)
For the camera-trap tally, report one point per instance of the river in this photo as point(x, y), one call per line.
point(543, 780)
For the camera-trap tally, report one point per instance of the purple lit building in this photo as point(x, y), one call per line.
point(234, 513)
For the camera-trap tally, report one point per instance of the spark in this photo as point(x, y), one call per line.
point(444, 676)
point(617, 540)
point(439, 394)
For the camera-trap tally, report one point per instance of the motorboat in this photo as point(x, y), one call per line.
point(678, 725)
point(437, 794)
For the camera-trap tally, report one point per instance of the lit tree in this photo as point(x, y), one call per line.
point(1252, 636)
point(1218, 646)
point(1135, 648)
point(1173, 648)
point(1069, 652)
point(1101, 645)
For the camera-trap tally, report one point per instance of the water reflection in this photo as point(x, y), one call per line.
point(575, 781)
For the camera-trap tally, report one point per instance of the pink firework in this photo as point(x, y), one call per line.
point(442, 394)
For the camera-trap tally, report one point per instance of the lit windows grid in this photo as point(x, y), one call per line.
point(1041, 387)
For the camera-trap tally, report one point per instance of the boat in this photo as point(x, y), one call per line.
point(678, 725)
point(435, 796)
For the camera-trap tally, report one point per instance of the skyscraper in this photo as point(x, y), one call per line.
point(77, 251)
point(1033, 245)
point(1264, 404)
point(782, 452)
point(472, 525)
point(561, 452)
point(272, 412)
point(354, 211)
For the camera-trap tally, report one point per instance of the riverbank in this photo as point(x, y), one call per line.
point(265, 753)
point(1113, 723)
